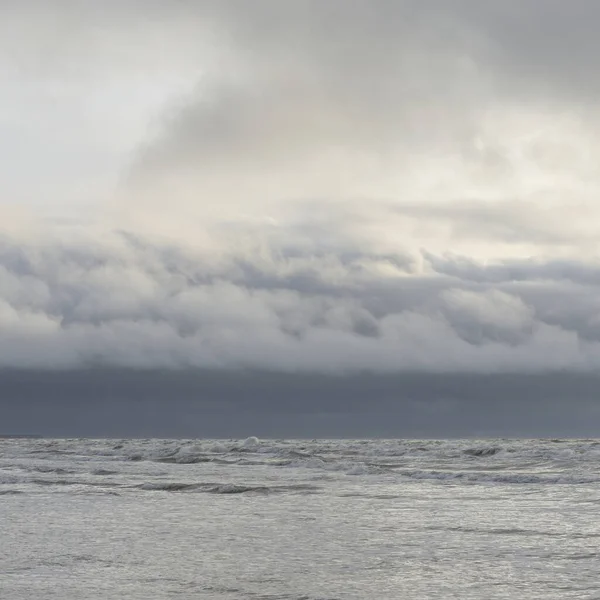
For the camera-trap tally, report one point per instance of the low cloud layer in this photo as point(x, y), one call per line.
point(280, 300)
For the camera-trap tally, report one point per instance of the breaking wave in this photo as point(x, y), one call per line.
point(482, 451)
point(254, 466)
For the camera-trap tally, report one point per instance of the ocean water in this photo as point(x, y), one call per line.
point(296, 519)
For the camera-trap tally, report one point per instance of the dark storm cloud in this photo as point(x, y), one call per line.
point(212, 404)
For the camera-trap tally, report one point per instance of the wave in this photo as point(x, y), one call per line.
point(515, 531)
point(228, 590)
point(226, 488)
point(56, 482)
point(6, 479)
point(372, 451)
point(56, 470)
point(505, 478)
point(482, 451)
point(83, 483)
point(499, 461)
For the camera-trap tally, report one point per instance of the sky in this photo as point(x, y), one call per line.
point(208, 205)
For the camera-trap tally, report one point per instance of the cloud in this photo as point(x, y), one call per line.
point(332, 187)
point(100, 298)
point(233, 110)
point(477, 135)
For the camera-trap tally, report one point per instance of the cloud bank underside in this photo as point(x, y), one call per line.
point(334, 187)
point(289, 304)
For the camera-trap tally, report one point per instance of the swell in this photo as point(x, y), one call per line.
point(514, 531)
point(73, 482)
point(226, 488)
point(495, 477)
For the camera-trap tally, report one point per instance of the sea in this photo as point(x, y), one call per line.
point(87, 519)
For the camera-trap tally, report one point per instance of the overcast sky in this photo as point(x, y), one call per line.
point(374, 195)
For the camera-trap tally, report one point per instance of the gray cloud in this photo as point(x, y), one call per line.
point(308, 99)
point(339, 79)
point(422, 124)
point(299, 74)
point(113, 299)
